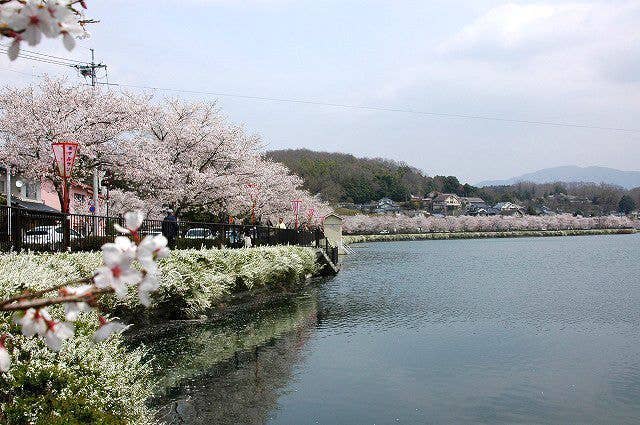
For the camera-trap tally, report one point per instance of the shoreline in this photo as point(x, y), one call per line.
point(396, 237)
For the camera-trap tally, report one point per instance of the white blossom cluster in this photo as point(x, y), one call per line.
point(117, 274)
point(31, 19)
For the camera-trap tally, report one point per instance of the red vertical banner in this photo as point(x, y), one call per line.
point(295, 206)
point(64, 154)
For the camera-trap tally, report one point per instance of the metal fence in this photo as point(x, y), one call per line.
point(22, 229)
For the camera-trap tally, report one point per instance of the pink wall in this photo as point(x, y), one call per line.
point(50, 198)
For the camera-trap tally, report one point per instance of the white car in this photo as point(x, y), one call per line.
point(152, 232)
point(43, 235)
point(198, 233)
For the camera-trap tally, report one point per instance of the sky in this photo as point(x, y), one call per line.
point(561, 62)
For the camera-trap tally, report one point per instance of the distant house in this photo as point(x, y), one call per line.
point(42, 196)
point(420, 202)
point(509, 208)
point(386, 205)
point(543, 210)
point(473, 201)
point(25, 193)
point(447, 203)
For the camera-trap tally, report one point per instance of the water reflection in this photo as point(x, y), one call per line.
point(230, 372)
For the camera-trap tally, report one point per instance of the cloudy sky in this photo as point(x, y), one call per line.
point(560, 62)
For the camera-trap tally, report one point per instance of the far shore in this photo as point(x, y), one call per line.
point(349, 239)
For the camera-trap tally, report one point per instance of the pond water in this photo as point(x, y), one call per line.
point(532, 330)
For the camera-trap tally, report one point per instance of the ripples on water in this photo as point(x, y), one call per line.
point(540, 330)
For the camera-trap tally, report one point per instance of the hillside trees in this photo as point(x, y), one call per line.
point(626, 204)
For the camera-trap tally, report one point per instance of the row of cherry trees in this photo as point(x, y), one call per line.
point(164, 153)
point(365, 224)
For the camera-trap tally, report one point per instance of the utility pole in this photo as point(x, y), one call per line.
point(90, 71)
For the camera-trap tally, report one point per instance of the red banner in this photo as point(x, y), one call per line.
point(65, 155)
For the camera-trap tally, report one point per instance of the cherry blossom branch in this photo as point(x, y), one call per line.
point(35, 294)
point(88, 297)
point(29, 21)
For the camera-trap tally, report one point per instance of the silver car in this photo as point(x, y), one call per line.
point(44, 235)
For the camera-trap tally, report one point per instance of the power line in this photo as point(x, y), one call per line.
point(89, 70)
point(33, 52)
point(40, 59)
point(19, 72)
point(383, 109)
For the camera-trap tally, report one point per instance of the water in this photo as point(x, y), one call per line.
point(540, 330)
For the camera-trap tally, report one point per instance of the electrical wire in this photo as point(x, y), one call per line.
point(383, 109)
point(341, 105)
point(45, 55)
point(41, 60)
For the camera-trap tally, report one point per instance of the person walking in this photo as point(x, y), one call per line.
point(170, 228)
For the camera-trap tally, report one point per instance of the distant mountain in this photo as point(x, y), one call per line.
point(572, 173)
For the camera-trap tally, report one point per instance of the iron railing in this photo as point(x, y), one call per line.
point(22, 229)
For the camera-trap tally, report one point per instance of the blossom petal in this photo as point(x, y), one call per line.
point(14, 50)
point(107, 329)
point(5, 360)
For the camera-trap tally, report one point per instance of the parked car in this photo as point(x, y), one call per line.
point(384, 232)
point(44, 235)
point(198, 233)
point(152, 232)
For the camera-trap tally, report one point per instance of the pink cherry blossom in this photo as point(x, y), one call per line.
point(31, 19)
point(152, 248)
point(56, 333)
point(117, 271)
point(132, 222)
point(5, 357)
point(33, 322)
point(107, 328)
point(73, 309)
point(149, 284)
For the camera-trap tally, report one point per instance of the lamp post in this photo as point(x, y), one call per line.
point(65, 155)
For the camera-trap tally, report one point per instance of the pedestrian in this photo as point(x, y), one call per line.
point(170, 228)
point(281, 224)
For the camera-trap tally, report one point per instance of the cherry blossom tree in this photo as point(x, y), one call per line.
point(187, 155)
point(401, 223)
point(32, 118)
point(29, 20)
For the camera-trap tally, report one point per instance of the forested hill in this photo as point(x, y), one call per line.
point(340, 177)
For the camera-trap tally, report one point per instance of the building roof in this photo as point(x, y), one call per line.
point(473, 200)
point(34, 206)
point(444, 196)
point(507, 205)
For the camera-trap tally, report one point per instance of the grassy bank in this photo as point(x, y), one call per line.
point(104, 383)
point(349, 239)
